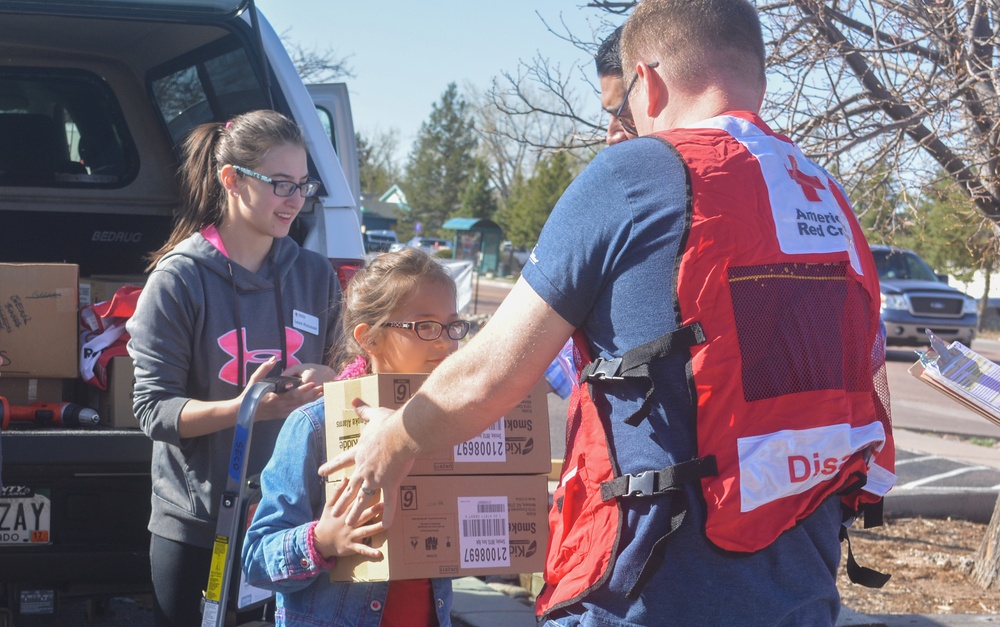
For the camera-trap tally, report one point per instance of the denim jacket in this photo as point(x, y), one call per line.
point(277, 554)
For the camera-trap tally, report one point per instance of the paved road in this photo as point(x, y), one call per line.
point(487, 295)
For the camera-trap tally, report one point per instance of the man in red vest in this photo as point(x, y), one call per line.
point(734, 406)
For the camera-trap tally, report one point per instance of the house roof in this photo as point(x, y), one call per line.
point(379, 208)
point(395, 196)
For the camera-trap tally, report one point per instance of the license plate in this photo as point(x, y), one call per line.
point(25, 516)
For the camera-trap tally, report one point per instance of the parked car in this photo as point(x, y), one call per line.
point(380, 241)
point(915, 298)
point(427, 244)
point(519, 253)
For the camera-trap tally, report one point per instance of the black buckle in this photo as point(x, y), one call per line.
point(605, 369)
point(642, 484)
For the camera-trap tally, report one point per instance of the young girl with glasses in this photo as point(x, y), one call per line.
point(399, 316)
point(230, 299)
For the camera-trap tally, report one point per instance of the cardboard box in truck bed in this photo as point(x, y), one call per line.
point(28, 391)
point(456, 526)
point(38, 320)
point(115, 404)
point(97, 289)
point(519, 443)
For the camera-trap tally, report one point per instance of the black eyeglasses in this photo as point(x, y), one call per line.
point(624, 114)
point(431, 330)
point(283, 188)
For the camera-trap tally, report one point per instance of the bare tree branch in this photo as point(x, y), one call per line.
point(889, 77)
point(619, 8)
point(913, 85)
point(317, 66)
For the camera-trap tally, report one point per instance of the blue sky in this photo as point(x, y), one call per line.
point(405, 52)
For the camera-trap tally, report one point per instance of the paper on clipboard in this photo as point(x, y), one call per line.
point(962, 374)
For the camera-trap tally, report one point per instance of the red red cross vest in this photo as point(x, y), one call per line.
point(779, 307)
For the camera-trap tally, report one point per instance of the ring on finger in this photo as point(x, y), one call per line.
point(369, 491)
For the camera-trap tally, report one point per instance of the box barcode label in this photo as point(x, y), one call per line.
point(488, 446)
point(483, 532)
point(481, 528)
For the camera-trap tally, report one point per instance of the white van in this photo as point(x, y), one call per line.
point(95, 96)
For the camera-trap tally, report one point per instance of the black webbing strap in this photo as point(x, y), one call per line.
point(858, 574)
point(678, 509)
point(634, 364)
point(874, 514)
point(668, 481)
point(653, 482)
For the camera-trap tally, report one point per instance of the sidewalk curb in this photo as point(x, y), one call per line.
point(965, 504)
point(972, 504)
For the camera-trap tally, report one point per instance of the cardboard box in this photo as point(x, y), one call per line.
point(457, 526)
point(97, 289)
point(38, 320)
point(28, 391)
point(519, 443)
point(115, 404)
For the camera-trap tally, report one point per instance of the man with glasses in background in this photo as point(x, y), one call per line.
point(735, 409)
point(609, 74)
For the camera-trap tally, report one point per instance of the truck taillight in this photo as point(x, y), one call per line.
point(345, 269)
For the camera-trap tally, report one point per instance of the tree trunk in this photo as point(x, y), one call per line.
point(986, 572)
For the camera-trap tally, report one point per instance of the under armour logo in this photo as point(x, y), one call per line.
point(230, 370)
point(809, 184)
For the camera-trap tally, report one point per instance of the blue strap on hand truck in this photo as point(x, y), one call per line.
point(227, 529)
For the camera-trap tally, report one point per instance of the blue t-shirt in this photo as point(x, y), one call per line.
point(606, 262)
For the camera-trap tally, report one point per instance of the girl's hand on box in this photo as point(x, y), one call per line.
point(381, 460)
point(334, 537)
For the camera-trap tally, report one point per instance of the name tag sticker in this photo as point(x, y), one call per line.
point(305, 322)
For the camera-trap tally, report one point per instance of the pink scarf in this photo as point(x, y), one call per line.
point(355, 369)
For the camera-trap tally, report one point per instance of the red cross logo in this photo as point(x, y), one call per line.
point(809, 184)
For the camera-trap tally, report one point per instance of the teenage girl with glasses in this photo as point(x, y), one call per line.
point(398, 317)
point(230, 299)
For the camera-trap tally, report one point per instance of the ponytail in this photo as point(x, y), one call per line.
point(244, 141)
point(202, 197)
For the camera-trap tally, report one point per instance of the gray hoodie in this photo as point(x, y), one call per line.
point(185, 346)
